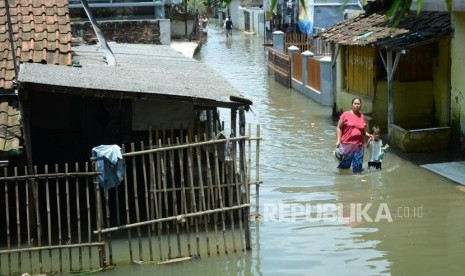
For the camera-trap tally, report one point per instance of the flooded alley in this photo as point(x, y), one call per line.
point(425, 237)
point(315, 219)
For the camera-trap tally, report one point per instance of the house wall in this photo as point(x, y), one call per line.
point(441, 84)
point(413, 104)
point(416, 104)
point(458, 80)
point(121, 31)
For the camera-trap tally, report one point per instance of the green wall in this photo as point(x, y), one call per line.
point(441, 84)
point(458, 80)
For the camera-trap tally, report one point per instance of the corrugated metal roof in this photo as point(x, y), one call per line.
point(41, 33)
point(374, 30)
point(146, 70)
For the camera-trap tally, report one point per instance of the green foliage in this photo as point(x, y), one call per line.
point(400, 8)
point(192, 5)
point(273, 3)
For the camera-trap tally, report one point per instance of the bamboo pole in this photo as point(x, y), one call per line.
point(128, 220)
point(18, 221)
point(155, 203)
point(53, 247)
point(220, 197)
point(159, 182)
point(49, 219)
point(230, 171)
point(108, 222)
point(174, 197)
point(173, 218)
point(78, 216)
point(193, 197)
point(68, 217)
point(44, 176)
point(89, 229)
point(243, 173)
point(165, 197)
point(184, 208)
point(57, 188)
point(136, 201)
point(147, 209)
point(213, 200)
point(257, 176)
point(203, 205)
point(151, 181)
point(182, 146)
point(7, 217)
point(99, 220)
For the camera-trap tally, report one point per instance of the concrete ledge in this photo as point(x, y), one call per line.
point(419, 140)
point(188, 49)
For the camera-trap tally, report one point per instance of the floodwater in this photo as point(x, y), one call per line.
point(316, 220)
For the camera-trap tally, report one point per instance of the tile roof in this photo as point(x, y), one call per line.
point(41, 34)
point(374, 30)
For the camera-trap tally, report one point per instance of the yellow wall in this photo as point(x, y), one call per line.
point(417, 104)
point(413, 104)
point(458, 79)
point(441, 83)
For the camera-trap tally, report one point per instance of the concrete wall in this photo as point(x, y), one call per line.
point(127, 31)
point(441, 84)
point(458, 80)
point(432, 139)
point(324, 96)
point(178, 28)
point(413, 104)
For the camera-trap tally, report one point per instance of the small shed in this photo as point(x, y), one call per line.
point(153, 87)
point(401, 72)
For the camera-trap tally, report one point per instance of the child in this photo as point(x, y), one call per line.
point(377, 150)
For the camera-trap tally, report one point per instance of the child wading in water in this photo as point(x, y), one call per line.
point(377, 150)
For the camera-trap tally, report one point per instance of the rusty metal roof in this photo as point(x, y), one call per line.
point(41, 34)
point(374, 30)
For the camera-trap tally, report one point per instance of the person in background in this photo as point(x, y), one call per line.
point(377, 150)
point(228, 24)
point(350, 137)
point(204, 21)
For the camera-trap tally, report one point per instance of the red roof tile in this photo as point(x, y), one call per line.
point(41, 33)
point(375, 30)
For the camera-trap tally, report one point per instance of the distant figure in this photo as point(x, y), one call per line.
point(228, 24)
point(377, 150)
point(204, 21)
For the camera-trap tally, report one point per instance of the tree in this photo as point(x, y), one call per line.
point(400, 8)
point(303, 4)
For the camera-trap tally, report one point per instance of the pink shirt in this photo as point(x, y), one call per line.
point(353, 128)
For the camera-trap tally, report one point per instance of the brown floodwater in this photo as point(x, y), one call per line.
point(316, 220)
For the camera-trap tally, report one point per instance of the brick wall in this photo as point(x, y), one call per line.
point(128, 31)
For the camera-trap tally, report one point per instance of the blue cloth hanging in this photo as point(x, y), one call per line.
point(110, 164)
